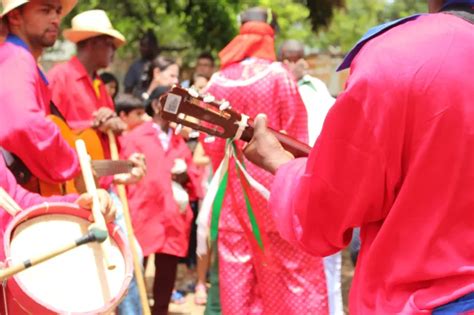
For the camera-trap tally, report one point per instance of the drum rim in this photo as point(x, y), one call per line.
point(74, 210)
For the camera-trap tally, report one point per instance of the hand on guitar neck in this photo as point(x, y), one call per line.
point(264, 149)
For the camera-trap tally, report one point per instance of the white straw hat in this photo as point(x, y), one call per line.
point(9, 5)
point(90, 24)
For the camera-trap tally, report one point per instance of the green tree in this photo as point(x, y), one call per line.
point(190, 26)
point(349, 23)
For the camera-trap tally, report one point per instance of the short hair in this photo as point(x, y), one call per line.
point(206, 55)
point(260, 14)
point(151, 37)
point(127, 102)
point(154, 95)
point(108, 77)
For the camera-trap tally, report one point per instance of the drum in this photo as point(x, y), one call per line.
point(76, 282)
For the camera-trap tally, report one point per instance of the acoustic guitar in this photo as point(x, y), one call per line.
point(100, 166)
point(204, 113)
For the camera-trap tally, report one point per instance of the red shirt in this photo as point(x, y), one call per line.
point(159, 225)
point(24, 129)
point(74, 93)
point(78, 97)
point(395, 157)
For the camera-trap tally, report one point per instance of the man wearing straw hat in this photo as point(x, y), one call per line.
point(32, 26)
point(77, 90)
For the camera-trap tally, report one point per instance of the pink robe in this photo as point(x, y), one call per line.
point(395, 157)
point(24, 129)
point(295, 283)
point(159, 226)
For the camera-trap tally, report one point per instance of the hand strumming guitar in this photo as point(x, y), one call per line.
point(106, 119)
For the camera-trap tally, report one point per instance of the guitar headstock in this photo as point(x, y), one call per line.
point(201, 112)
point(204, 113)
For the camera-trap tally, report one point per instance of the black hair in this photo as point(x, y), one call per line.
point(127, 102)
point(150, 37)
point(206, 55)
point(155, 94)
point(108, 77)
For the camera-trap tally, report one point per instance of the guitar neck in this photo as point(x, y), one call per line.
point(109, 167)
point(295, 147)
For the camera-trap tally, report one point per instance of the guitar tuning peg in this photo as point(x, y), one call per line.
point(224, 105)
point(209, 98)
point(178, 129)
point(192, 91)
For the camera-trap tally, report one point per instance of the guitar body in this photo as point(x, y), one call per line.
point(94, 148)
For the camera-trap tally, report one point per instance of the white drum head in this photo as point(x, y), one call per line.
point(75, 282)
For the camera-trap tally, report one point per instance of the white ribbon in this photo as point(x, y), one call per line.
point(243, 123)
point(203, 220)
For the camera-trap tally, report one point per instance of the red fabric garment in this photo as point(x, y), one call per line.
point(74, 94)
point(254, 86)
point(255, 39)
point(24, 129)
point(159, 226)
point(394, 157)
point(23, 198)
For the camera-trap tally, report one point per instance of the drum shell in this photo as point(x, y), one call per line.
point(20, 301)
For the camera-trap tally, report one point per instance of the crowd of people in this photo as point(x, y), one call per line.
point(391, 156)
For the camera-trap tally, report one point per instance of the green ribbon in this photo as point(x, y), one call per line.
point(252, 218)
point(219, 200)
point(217, 206)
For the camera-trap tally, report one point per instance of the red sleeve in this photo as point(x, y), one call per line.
point(24, 129)
point(342, 185)
point(24, 198)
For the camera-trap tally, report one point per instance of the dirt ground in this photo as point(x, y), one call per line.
point(189, 308)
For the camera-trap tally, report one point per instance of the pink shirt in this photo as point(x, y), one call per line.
point(159, 225)
point(395, 157)
point(24, 129)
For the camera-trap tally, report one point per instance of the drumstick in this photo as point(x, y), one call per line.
point(99, 221)
point(94, 235)
point(137, 267)
point(7, 203)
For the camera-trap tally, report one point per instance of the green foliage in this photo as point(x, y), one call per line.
point(351, 22)
point(187, 27)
